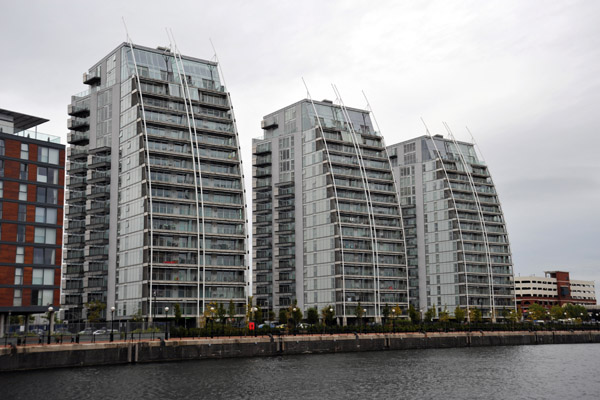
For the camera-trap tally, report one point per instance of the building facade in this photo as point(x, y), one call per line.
point(554, 288)
point(32, 167)
point(457, 243)
point(156, 212)
point(327, 230)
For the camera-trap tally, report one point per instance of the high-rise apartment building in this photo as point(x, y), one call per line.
point(327, 226)
point(457, 243)
point(32, 166)
point(155, 211)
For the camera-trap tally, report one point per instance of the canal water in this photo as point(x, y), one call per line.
point(517, 372)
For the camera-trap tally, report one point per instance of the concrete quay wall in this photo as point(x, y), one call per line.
point(90, 354)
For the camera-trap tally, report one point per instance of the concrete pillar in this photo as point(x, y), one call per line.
point(51, 316)
point(3, 324)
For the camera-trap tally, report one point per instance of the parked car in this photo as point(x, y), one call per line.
point(100, 332)
point(269, 325)
point(282, 326)
point(86, 331)
point(303, 325)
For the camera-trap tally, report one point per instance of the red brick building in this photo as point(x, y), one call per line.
point(32, 169)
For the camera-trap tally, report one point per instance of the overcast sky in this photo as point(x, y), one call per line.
point(522, 75)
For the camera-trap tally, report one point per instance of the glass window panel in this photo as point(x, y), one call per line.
point(23, 192)
point(48, 276)
point(20, 255)
point(53, 156)
point(25, 151)
point(37, 278)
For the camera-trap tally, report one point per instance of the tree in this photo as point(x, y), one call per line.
point(258, 315)
point(328, 315)
point(294, 313)
point(221, 312)
point(475, 315)
point(231, 310)
point(283, 316)
point(444, 315)
point(177, 313)
point(312, 315)
point(414, 315)
point(271, 315)
point(575, 311)
point(137, 317)
point(95, 309)
point(358, 313)
point(556, 312)
point(386, 312)
point(459, 314)
point(430, 314)
point(536, 312)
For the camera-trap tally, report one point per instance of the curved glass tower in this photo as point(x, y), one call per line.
point(460, 253)
point(165, 174)
point(328, 231)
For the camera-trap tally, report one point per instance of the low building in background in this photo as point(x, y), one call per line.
point(555, 288)
point(32, 167)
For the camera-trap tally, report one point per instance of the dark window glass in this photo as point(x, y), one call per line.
point(23, 171)
point(21, 233)
point(22, 216)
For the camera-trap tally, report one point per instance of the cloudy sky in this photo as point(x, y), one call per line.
point(522, 75)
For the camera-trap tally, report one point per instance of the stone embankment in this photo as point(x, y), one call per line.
point(89, 354)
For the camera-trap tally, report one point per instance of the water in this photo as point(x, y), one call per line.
point(519, 372)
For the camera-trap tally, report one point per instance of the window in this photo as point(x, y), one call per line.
point(22, 213)
point(47, 175)
point(1, 167)
point(47, 195)
point(18, 276)
point(20, 255)
point(24, 151)
point(42, 276)
point(409, 147)
point(45, 215)
point(1, 189)
point(17, 298)
point(21, 233)
point(41, 297)
point(1, 147)
point(48, 155)
point(23, 192)
point(23, 171)
point(45, 235)
point(43, 256)
point(0, 210)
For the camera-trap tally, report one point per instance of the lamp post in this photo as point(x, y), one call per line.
point(254, 310)
point(212, 321)
point(394, 319)
point(112, 323)
point(154, 307)
point(50, 316)
point(167, 324)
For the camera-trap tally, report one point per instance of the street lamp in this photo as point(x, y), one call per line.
point(364, 315)
point(112, 322)
point(212, 320)
point(167, 324)
point(394, 319)
point(50, 316)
